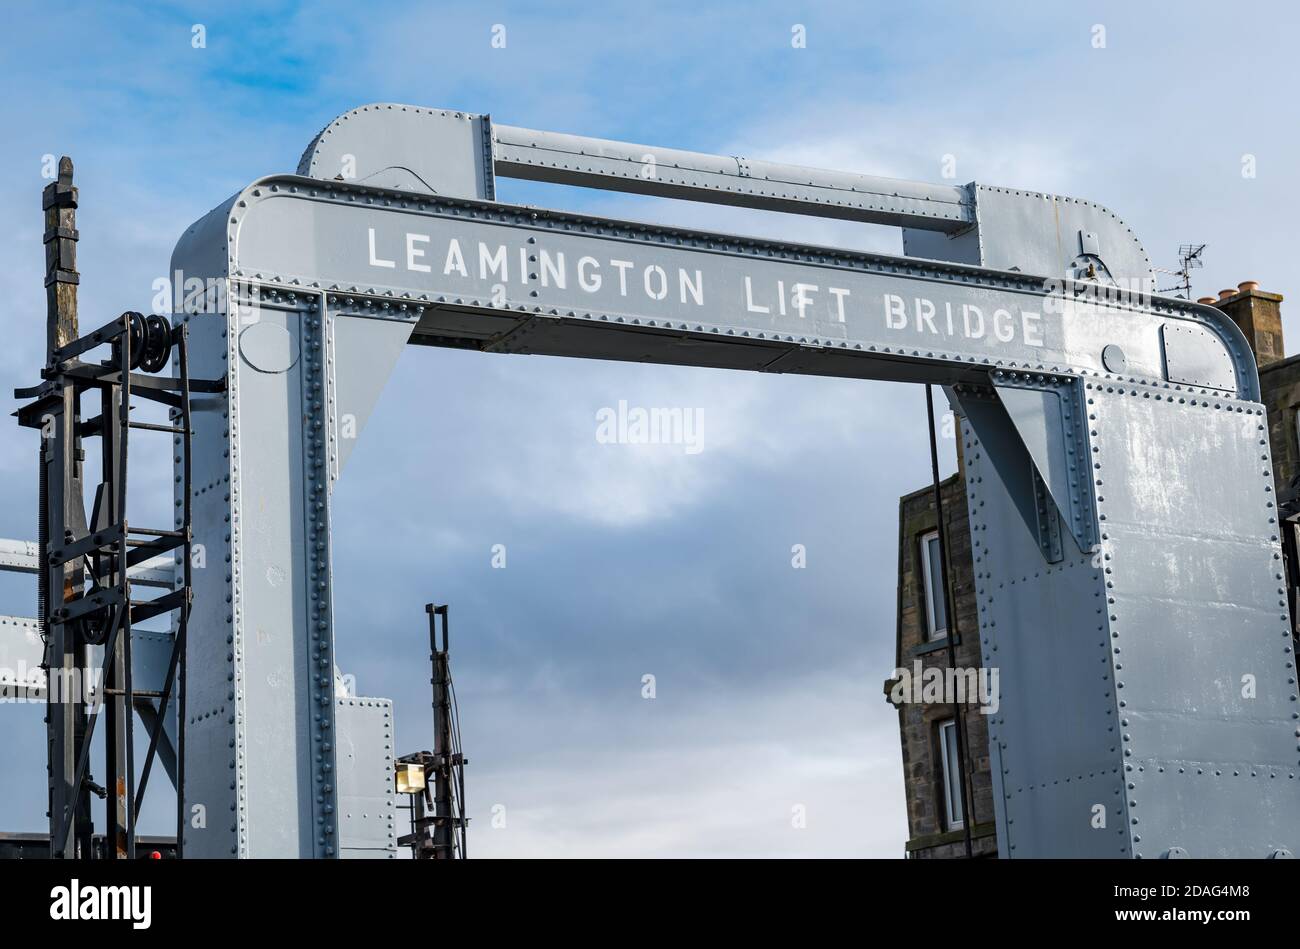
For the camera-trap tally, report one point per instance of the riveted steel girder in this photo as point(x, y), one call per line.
point(453, 153)
point(1148, 694)
point(528, 280)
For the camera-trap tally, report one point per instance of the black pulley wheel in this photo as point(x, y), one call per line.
point(151, 340)
point(157, 343)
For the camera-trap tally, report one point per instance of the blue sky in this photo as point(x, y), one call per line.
point(633, 560)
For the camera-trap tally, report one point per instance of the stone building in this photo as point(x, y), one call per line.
point(935, 820)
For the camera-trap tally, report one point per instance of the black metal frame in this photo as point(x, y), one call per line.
point(37, 846)
point(440, 835)
point(101, 551)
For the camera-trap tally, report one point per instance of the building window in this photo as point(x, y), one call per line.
point(952, 812)
point(1295, 421)
point(936, 610)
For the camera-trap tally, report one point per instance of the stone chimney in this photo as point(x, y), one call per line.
point(1258, 314)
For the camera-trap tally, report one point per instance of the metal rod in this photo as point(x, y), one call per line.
point(182, 627)
point(116, 708)
point(124, 426)
point(152, 427)
point(958, 716)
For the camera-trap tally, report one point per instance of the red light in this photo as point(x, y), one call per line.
point(155, 855)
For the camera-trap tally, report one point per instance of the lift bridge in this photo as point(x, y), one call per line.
point(1127, 556)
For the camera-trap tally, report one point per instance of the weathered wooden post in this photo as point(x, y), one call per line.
point(65, 664)
point(59, 200)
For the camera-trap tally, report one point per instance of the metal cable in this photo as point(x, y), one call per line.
point(958, 719)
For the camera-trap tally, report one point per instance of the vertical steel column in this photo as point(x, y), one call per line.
point(123, 554)
point(64, 664)
point(109, 512)
point(260, 756)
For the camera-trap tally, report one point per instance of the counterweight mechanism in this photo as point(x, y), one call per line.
point(89, 606)
point(88, 612)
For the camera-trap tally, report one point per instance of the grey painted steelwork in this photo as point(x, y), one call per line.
point(742, 182)
point(21, 653)
point(1153, 674)
point(408, 147)
point(367, 794)
point(405, 148)
point(1123, 597)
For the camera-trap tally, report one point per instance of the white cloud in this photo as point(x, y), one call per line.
point(697, 776)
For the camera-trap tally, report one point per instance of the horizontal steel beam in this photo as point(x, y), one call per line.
point(741, 182)
point(503, 278)
point(21, 654)
point(23, 556)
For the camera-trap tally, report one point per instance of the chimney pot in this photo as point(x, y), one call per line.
point(1259, 318)
point(1208, 300)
